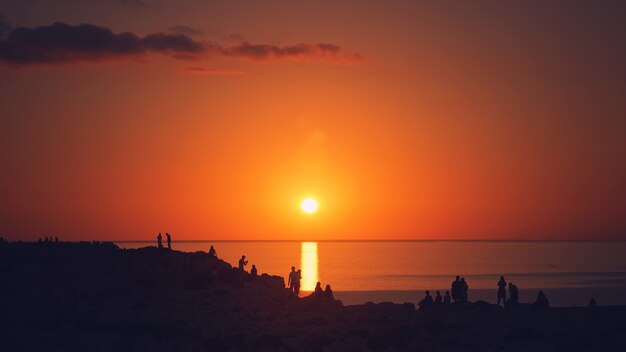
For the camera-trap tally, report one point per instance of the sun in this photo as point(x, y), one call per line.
point(308, 205)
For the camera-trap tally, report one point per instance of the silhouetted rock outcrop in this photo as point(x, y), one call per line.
point(59, 296)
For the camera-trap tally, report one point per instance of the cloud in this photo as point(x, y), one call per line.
point(263, 52)
point(62, 43)
point(187, 30)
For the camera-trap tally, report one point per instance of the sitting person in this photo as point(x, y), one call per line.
point(542, 301)
point(513, 295)
point(318, 289)
point(328, 293)
point(438, 298)
point(253, 271)
point(446, 298)
point(427, 301)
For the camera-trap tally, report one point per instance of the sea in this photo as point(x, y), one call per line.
point(569, 272)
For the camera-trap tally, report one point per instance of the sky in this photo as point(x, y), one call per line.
point(493, 120)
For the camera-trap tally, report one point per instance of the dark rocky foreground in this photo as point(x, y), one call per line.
point(96, 297)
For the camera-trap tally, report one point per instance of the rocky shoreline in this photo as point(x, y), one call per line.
point(97, 297)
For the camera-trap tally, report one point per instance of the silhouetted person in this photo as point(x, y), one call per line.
point(169, 240)
point(296, 285)
point(243, 262)
point(427, 301)
point(446, 298)
point(253, 271)
point(592, 303)
point(542, 301)
point(159, 241)
point(513, 295)
point(328, 293)
point(56, 240)
point(456, 289)
point(438, 298)
point(464, 290)
point(501, 291)
point(318, 289)
point(212, 252)
point(291, 280)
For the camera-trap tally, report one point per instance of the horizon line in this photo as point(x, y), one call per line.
point(368, 240)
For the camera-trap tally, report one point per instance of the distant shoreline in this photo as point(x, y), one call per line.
point(378, 240)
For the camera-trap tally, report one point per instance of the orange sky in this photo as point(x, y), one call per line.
point(440, 121)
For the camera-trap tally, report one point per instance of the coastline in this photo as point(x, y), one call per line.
point(97, 297)
point(559, 297)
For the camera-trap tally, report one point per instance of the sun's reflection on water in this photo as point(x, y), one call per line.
point(308, 261)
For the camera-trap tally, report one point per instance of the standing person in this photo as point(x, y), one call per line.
point(159, 241)
point(212, 252)
point(169, 240)
point(464, 290)
point(296, 286)
point(253, 271)
point(243, 262)
point(501, 291)
point(513, 294)
point(456, 289)
point(291, 280)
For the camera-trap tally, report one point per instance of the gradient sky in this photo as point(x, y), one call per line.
point(405, 119)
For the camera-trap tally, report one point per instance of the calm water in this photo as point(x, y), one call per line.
point(421, 265)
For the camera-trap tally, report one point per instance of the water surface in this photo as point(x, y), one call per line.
point(409, 266)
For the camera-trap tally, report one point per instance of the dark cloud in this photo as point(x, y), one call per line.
point(63, 43)
point(187, 30)
point(298, 51)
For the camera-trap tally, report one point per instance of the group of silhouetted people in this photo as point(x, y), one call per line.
point(428, 300)
point(160, 241)
point(49, 239)
point(513, 293)
point(242, 264)
point(293, 281)
point(326, 293)
point(459, 290)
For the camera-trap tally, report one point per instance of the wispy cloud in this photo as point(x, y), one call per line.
point(264, 52)
point(62, 43)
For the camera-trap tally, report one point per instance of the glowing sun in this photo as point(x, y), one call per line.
point(308, 205)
